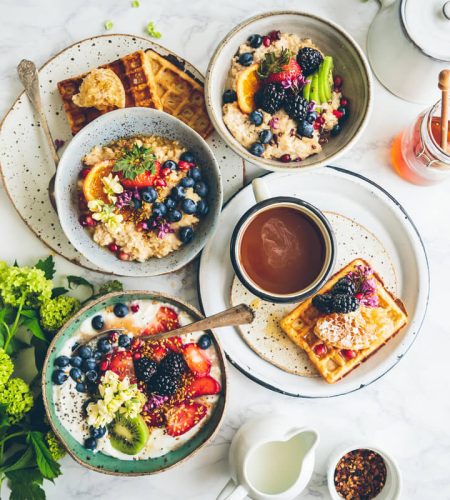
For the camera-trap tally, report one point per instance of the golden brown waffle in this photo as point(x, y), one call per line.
point(180, 95)
point(135, 73)
point(332, 365)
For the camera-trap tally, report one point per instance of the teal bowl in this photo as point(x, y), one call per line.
point(99, 461)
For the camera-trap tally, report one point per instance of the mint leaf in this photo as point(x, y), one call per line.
point(48, 266)
point(25, 484)
point(34, 326)
point(48, 467)
point(57, 291)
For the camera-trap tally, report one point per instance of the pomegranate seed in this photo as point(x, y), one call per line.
point(275, 35)
point(160, 182)
point(348, 353)
point(338, 81)
point(87, 221)
point(112, 337)
point(285, 158)
point(137, 355)
point(141, 226)
point(134, 308)
point(184, 165)
point(123, 256)
point(345, 102)
point(320, 349)
point(104, 365)
point(266, 41)
point(338, 114)
point(112, 247)
point(359, 296)
point(165, 171)
point(84, 172)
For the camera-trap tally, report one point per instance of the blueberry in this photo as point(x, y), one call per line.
point(62, 361)
point(75, 374)
point(256, 117)
point(149, 194)
point(170, 202)
point(170, 164)
point(229, 96)
point(159, 209)
point(97, 355)
point(75, 346)
point(76, 361)
point(311, 117)
point(121, 310)
point(97, 322)
point(81, 387)
point(305, 129)
point(336, 130)
point(59, 377)
point(195, 174)
point(256, 149)
point(246, 59)
point(85, 352)
point(204, 341)
point(189, 206)
point(265, 136)
point(88, 364)
point(201, 188)
point(187, 182)
point(90, 443)
point(186, 234)
point(104, 345)
point(187, 156)
point(178, 192)
point(97, 432)
point(124, 340)
point(174, 215)
point(202, 208)
point(91, 375)
point(345, 112)
point(255, 41)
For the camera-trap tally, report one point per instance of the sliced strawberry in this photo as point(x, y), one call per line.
point(196, 359)
point(203, 386)
point(122, 364)
point(145, 179)
point(290, 71)
point(181, 418)
point(166, 319)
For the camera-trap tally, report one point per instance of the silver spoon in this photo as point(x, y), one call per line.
point(238, 315)
point(29, 77)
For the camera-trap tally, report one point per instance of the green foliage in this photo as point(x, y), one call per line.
point(55, 312)
point(135, 161)
point(15, 395)
point(6, 367)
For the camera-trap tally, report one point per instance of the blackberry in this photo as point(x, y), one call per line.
point(144, 368)
point(173, 364)
point(344, 303)
point(309, 60)
point(296, 106)
point(164, 384)
point(270, 98)
point(344, 286)
point(323, 303)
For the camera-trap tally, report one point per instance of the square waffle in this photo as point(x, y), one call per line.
point(180, 95)
point(135, 73)
point(332, 365)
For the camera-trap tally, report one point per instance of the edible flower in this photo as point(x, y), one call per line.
point(151, 30)
point(111, 187)
point(273, 123)
point(55, 312)
point(16, 396)
point(365, 286)
point(6, 367)
point(105, 213)
point(295, 84)
point(109, 25)
point(55, 447)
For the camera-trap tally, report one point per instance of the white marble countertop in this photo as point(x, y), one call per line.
point(407, 411)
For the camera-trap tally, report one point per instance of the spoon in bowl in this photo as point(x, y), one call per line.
point(29, 77)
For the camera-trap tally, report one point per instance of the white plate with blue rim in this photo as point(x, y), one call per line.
point(369, 223)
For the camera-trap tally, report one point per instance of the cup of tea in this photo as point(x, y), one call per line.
point(282, 249)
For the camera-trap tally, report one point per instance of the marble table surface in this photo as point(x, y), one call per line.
point(407, 411)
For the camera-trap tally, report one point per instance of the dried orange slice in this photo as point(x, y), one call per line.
point(247, 85)
point(93, 185)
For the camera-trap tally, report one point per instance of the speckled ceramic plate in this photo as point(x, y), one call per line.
point(369, 223)
point(265, 337)
point(27, 170)
point(106, 463)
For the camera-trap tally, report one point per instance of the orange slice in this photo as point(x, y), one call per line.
point(247, 85)
point(93, 185)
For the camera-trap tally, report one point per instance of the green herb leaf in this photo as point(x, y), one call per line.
point(109, 25)
point(20, 460)
point(25, 484)
point(48, 467)
point(135, 161)
point(57, 291)
point(272, 63)
point(75, 281)
point(48, 266)
point(151, 30)
point(33, 325)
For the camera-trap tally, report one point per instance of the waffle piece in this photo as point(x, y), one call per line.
point(135, 73)
point(180, 95)
point(332, 364)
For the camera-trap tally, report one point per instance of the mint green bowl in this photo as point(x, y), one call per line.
point(105, 463)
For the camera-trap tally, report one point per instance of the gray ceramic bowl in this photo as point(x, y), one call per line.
point(349, 62)
point(130, 122)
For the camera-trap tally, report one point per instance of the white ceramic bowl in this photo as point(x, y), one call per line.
point(349, 62)
point(109, 127)
point(393, 486)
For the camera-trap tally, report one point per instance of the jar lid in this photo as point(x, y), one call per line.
point(427, 24)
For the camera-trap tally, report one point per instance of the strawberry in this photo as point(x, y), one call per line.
point(122, 364)
point(196, 359)
point(182, 417)
point(290, 71)
point(203, 386)
point(166, 320)
point(278, 69)
point(146, 179)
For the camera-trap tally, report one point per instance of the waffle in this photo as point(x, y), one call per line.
point(135, 73)
point(332, 365)
point(180, 95)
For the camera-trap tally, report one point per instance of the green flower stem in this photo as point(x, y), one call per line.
point(11, 331)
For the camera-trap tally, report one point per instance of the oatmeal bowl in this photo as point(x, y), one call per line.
point(288, 90)
point(138, 192)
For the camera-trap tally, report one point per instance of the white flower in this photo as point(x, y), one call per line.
point(111, 187)
point(96, 205)
point(108, 216)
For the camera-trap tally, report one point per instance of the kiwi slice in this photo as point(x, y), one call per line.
point(128, 435)
point(314, 94)
point(325, 79)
